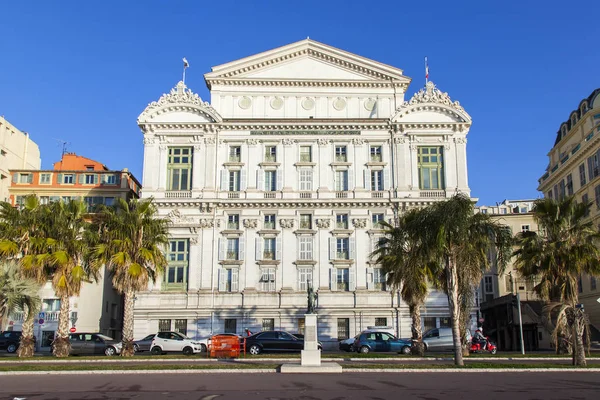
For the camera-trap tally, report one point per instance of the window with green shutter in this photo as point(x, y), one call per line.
point(179, 168)
point(431, 165)
point(177, 268)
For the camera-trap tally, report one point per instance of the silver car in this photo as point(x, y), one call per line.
point(440, 339)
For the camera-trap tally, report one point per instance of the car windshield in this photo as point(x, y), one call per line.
point(149, 337)
point(104, 337)
point(181, 335)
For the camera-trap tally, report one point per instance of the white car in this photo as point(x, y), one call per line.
point(167, 342)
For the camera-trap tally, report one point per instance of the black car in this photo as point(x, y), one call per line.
point(9, 341)
point(274, 341)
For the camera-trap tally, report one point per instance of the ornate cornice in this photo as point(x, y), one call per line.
point(180, 98)
point(307, 83)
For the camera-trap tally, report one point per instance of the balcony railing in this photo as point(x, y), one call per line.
point(305, 225)
point(269, 225)
point(270, 158)
point(268, 255)
point(270, 195)
point(433, 193)
point(234, 158)
point(232, 255)
point(178, 194)
point(376, 158)
point(341, 255)
point(341, 225)
point(48, 316)
point(305, 158)
point(341, 195)
point(305, 195)
point(341, 158)
point(233, 195)
point(233, 226)
point(377, 195)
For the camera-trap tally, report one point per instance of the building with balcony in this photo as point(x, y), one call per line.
point(498, 289)
point(283, 180)
point(17, 150)
point(98, 308)
point(574, 170)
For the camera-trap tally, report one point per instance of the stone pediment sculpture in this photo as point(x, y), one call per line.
point(180, 98)
point(177, 217)
point(431, 99)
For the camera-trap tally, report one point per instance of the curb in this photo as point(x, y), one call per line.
point(474, 370)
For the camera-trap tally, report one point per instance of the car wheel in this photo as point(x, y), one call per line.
point(11, 348)
point(188, 351)
point(405, 350)
point(110, 351)
point(156, 351)
point(136, 348)
point(364, 350)
point(203, 348)
point(255, 349)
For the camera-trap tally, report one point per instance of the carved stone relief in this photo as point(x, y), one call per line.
point(359, 223)
point(250, 223)
point(323, 223)
point(286, 223)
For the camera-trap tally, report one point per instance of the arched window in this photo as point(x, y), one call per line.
point(573, 120)
point(584, 108)
point(563, 131)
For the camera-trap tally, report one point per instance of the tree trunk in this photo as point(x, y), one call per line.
point(128, 349)
point(452, 283)
point(578, 347)
point(62, 346)
point(417, 348)
point(27, 342)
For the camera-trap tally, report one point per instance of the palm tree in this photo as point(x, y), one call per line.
point(21, 237)
point(132, 239)
point(19, 294)
point(565, 248)
point(67, 244)
point(401, 258)
point(452, 235)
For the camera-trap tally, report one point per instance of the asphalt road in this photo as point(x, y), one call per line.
point(375, 386)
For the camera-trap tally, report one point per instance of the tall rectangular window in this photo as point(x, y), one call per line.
point(341, 181)
point(585, 200)
point(379, 279)
point(305, 221)
point(228, 280)
point(235, 154)
point(488, 284)
point(380, 321)
point(270, 181)
point(582, 180)
point(233, 221)
point(27, 178)
point(597, 194)
point(561, 189)
point(341, 154)
point(376, 180)
point(179, 168)
point(305, 244)
point(305, 154)
point(267, 280)
point(376, 220)
point(231, 325)
point(268, 324)
point(306, 179)
point(304, 277)
point(233, 245)
point(341, 221)
point(234, 181)
point(592, 283)
point(181, 326)
point(269, 249)
point(343, 328)
point(569, 185)
point(177, 268)
point(91, 179)
point(68, 179)
point(164, 325)
point(343, 279)
point(270, 153)
point(269, 221)
point(342, 249)
point(430, 163)
point(376, 154)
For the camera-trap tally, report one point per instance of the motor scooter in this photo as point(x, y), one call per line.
point(489, 346)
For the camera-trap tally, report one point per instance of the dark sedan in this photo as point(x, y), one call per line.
point(143, 344)
point(273, 341)
point(367, 342)
point(94, 343)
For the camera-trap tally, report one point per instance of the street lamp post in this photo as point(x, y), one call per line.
point(519, 311)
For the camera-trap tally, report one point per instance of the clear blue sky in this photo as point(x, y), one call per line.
point(82, 71)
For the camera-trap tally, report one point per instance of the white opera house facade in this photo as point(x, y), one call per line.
point(283, 179)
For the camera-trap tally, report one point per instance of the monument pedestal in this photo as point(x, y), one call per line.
point(310, 359)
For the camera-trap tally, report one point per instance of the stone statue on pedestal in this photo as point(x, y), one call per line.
point(312, 299)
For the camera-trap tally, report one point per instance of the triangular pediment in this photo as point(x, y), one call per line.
point(306, 60)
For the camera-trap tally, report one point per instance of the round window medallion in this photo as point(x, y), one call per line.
point(370, 104)
point(245, 103)
point(308, 103)
point(339, 104)
point(276, 103)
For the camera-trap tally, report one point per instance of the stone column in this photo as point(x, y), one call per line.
point(450, 167)
point(210, 153)
point(325, 175)
point(461, 164)
point(198, 178)
point(414, 166)
point(402, 163)
point(193, 264)
point(162, 167)
point(150, 173)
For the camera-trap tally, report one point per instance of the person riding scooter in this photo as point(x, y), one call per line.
point(480, 339)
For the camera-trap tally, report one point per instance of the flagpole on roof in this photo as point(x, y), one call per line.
point(426, 71)
point(186, 64)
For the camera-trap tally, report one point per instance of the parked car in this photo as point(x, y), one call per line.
point(298, 335)
point(165, 342)
point(440, 339)
point(346, 345)
point(274, 341)
point(94, 343)
point(143, 344)
point(367, 342)
point(10, 340)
